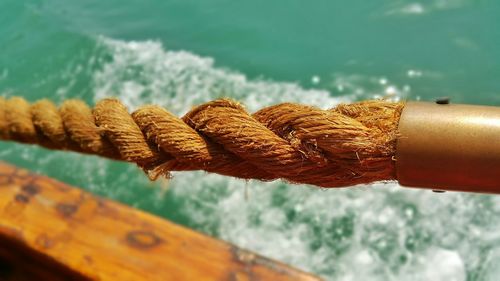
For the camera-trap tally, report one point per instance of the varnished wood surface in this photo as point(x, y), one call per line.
point(52, 231)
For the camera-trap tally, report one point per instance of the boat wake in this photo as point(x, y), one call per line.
point(375, 232)
point(372, 232)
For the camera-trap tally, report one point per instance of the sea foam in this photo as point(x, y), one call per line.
point(372, 232)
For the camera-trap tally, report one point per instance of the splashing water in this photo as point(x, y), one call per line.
point(143, 72)
point(375, 232)
point(337, 52)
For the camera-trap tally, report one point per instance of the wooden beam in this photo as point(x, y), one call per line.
point(52, 231)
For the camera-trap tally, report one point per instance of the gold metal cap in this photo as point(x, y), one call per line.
point(449, 147)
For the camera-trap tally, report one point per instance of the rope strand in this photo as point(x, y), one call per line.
point(347, 145)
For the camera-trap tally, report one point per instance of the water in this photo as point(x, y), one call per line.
point(181, 53)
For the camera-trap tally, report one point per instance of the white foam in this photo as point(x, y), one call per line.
point(375, 232)
point(438, 264)
point(143, 72)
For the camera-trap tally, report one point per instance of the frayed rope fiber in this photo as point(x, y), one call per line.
point(347, 145)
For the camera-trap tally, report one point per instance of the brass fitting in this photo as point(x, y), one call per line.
point(449, 147)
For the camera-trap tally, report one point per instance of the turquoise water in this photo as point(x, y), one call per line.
point(181, 53)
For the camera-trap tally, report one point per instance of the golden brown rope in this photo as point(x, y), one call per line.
point(347, 145)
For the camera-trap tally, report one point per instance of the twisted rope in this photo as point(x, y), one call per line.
point(347, 145)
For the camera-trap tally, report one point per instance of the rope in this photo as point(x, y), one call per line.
point(347, 145)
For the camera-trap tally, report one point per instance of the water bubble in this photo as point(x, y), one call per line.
point(391, 91)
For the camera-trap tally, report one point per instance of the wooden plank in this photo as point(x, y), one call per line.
point(52, 231)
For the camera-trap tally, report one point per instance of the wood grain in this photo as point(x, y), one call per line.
point(52, 231)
